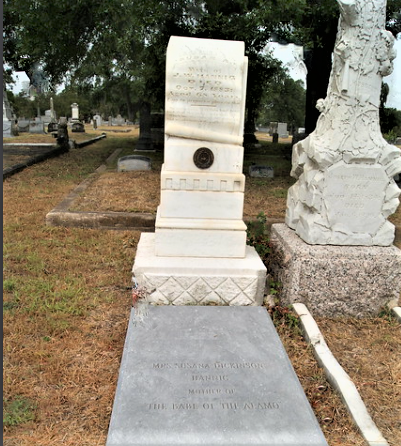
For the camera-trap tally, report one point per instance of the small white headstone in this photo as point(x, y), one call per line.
point(282, 130)
point(134, 162)
point(75, 111)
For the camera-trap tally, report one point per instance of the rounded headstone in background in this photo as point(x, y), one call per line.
point(133, 162)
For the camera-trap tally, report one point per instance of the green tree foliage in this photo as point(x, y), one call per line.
point(115, 49)
point(390, 118)
point(283, 101)
point(315, 28)
point(123, 43)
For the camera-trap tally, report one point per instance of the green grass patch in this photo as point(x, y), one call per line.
point(18, 411)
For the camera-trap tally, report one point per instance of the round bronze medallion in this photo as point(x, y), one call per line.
point(203, 158)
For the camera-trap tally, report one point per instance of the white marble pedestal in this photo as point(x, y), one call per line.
point(197, 280)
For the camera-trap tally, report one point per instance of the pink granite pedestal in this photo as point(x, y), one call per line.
point(335, 281)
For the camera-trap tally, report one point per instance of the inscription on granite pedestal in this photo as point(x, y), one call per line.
point(209, 376)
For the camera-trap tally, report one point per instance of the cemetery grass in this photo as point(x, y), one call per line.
point(66, 305)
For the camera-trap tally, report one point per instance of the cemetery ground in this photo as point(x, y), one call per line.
point(67, 298)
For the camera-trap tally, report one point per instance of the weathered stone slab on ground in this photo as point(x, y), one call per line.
point(209, 376)
point(261, 171)
point(335, 280)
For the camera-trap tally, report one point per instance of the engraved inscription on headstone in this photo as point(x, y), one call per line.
point(356, 195)
point(205, 91)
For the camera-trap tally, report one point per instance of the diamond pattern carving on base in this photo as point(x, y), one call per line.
point(228, 290)
point(184, 299)
point(171, 289)
point(199, 290)
point(242, 299)
point(184, 290)
point(157, 298)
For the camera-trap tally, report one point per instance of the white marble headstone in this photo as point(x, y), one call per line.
point(202, 182)
point(75, 111)
point(198, 254)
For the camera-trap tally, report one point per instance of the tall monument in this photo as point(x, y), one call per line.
point(198, 253)
point(345, 168)
point(338, 256)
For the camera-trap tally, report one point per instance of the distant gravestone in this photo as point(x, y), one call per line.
point(62, 134)
point(157, 129)
point(145, 143)
point(119, 120)
point(282, 130)
point(134, 162)
point(23, 125)
point(52, 127)
point(209, 376)
point(77, 127)
point(261, 171)
point(36, 126)
point(273, 127)
point(98, 120)
point(47, 117)
point(10, 125)
point(74, 112)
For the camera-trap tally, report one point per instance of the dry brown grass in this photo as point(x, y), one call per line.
point(122, 192)
point(370, 352)
point(66, 306)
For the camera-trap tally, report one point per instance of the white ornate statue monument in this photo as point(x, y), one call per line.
point(198, 253)
point(345, 189)
point(10, 128)
point(345, 168)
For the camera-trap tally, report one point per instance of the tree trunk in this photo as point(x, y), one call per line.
point(318, 63)
point(145, 135)
point(129, 104)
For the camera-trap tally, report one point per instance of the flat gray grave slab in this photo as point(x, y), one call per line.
point(193, 375)
point(261, 171)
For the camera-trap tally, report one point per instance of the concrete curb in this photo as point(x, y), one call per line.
point(397, 313)
point(56, 151)
point(89, 141)
point(339, 379)
point(53, 151)
point(61, 216)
